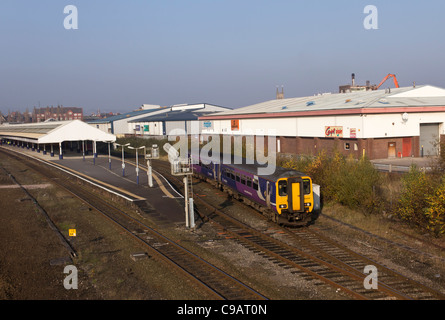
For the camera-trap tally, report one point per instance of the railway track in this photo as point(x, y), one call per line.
point(330, 250)
point(208, 277)
point(311, 254)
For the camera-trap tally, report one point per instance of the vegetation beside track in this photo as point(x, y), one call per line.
point(417, 197)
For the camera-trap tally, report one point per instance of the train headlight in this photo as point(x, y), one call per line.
point(307, 204)
point(283, 206)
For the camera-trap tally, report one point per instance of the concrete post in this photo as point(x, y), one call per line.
point(60, 151)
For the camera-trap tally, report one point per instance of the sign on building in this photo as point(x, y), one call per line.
point(334, 132)
point(234, 125)
point(353, 133)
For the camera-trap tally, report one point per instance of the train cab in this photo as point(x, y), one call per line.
point(294, 198)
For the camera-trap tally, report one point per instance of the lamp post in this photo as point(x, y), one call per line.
point(137, 161)
point(123, 160)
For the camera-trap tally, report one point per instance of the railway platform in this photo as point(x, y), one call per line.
point(161, 198)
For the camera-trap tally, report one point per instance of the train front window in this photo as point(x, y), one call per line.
point(282, 188)
point(306, 186)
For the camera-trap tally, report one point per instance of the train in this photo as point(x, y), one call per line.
point(287, 197)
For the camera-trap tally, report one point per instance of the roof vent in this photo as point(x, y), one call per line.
point(310, 103)
point(283, 108)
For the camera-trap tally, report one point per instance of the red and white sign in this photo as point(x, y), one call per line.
point(353, 133)
point(333, 132)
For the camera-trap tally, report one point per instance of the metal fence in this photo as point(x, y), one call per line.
point(395, 168)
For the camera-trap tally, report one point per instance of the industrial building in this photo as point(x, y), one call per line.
point(387, 123)
point(183, 117)
point(136, 122)
point(119, 124)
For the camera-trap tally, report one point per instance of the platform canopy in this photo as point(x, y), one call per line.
point(54, 132)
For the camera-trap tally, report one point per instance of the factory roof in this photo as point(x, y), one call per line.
point(54, 132)
point(180, 115)
point(125, 115)
point(407, 99)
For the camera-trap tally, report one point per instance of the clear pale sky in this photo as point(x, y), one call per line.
point(228, 53)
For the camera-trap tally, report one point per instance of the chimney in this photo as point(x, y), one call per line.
point(280, 95)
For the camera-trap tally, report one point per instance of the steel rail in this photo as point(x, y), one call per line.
point(342, 266)
point(228, 286)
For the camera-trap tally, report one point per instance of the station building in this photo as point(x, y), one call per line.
point(387, 123)
point(54, 137)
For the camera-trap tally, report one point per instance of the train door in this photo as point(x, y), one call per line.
point(268, 194)
point(296, 195)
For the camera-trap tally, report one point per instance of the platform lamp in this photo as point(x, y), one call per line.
point(123, 159)
point(137, 161)
point(109, 154)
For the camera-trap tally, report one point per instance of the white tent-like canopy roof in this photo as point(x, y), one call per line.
point(54, 132)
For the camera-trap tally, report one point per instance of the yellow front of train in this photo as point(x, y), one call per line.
point(294, 196)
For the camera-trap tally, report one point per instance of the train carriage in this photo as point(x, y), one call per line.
point(286, 196)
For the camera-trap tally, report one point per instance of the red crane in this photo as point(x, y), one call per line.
point(396, 83)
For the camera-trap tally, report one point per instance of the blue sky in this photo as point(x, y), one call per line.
point(229, 53)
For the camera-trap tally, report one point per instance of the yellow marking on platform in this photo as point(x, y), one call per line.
point(161, 185)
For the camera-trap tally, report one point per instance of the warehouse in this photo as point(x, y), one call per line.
point(400, 122)
point(118, 124)
point(183, 118)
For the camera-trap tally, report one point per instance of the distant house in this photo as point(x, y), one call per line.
point(58, 113)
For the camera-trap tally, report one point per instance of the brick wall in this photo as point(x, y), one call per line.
point(373, 148)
